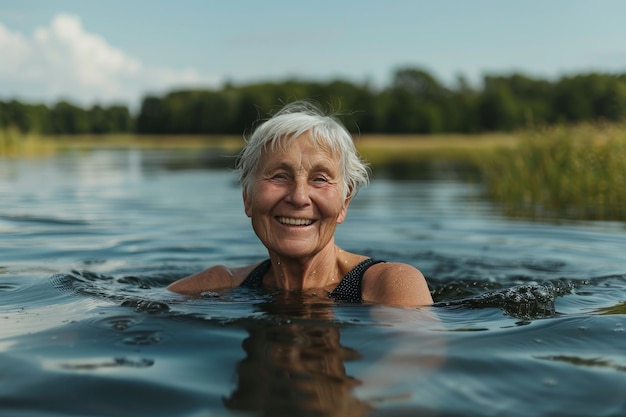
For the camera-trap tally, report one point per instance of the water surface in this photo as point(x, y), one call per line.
point(528, 318)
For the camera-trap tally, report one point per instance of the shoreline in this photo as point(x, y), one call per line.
point(562, 171)
point(375, 148)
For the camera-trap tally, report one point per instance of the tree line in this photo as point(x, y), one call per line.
point(64, 118)
point(415, 101)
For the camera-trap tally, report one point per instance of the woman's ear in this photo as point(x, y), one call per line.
point(246, 203)
point(344, 209)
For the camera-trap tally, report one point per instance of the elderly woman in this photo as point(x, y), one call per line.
point(299, 171)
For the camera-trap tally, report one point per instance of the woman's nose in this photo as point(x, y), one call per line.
point(299, 193)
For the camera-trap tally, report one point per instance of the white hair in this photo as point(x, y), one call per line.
point(292, 121)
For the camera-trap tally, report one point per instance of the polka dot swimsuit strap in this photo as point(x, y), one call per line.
point(255, 278)
point(350, 287)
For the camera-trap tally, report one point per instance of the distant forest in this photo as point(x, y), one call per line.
point(414, 102)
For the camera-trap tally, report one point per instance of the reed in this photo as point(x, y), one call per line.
point(566, 172)
point(14, 143)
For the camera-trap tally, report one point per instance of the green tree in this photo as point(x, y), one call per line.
point(461, 108)
point(497, 108)
point(152, 116)
point(415, 103)
point(68, 118)
point(15, 114)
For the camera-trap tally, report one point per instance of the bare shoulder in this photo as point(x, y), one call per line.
point(396, 284)
point(215, 278)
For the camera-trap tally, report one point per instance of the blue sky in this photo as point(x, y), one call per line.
point(119, 51)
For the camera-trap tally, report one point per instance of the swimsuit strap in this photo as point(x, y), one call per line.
point(350, 287)
point(255, 278)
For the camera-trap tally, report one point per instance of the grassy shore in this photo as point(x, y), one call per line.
point(377, 149)
point(385, 149)
point(421, 156)
point(563, 172)
point(15, 144)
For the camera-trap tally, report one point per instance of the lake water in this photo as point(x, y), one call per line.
point(528, 320)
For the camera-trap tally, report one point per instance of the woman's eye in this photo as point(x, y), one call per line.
point(320, 179)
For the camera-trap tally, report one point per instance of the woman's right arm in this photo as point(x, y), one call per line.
point(215, 278)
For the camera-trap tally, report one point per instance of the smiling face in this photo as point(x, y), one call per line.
point(297, 199)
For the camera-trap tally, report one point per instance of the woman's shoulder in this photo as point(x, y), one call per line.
point(215, 278)
point(395, 283)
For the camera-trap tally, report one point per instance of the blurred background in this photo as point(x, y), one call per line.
point(417, 66)
point(450, 80)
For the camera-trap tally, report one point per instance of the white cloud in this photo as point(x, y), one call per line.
point(14, 50)
point(63, 60)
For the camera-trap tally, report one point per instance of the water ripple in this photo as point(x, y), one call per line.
point(43, 220)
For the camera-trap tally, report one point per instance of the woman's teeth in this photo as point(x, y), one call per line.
point(295, 222)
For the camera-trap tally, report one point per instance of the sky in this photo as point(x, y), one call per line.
point(119, 51)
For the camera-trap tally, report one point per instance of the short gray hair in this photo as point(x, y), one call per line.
point(293, 120)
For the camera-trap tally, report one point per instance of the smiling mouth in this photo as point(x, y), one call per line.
point(295, 222)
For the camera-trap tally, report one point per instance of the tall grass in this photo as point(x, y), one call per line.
point(14, 143)
point(566, 172)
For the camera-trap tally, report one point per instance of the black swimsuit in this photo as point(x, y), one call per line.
point(348, 290)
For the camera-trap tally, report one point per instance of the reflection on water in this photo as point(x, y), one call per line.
point(89, 241)
point(295, 367)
